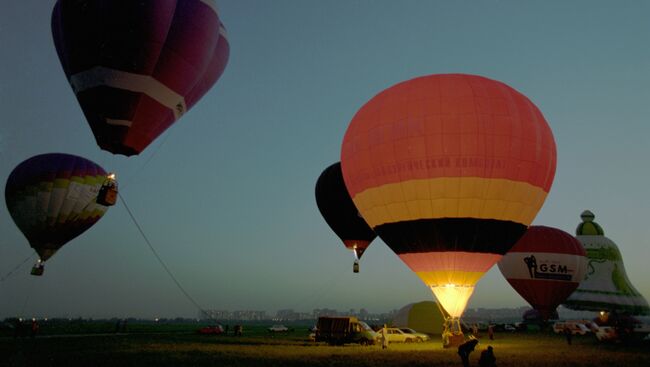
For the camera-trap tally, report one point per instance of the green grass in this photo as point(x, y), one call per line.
point(162, 347)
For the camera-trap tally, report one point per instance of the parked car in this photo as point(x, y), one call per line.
point(419, 337)
point(508, 327)
point(278, 329)
point(211, 330)
point(396, 335)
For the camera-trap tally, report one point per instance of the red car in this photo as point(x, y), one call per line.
point(211, 330)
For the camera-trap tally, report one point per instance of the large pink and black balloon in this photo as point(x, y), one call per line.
point(137, 66)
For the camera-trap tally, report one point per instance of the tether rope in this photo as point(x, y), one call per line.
point(160, 260)
point(6, 276)
point(154, 153)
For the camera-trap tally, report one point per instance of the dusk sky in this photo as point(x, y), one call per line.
point(226, 196)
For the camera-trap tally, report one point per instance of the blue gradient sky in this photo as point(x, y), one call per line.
point(227, 194)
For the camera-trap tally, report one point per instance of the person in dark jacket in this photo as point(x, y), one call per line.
point(465, 349)
point(487, 358)
point(35, 327)
point(568, 334)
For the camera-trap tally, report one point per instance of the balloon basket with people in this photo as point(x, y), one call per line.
point(38, 268)
point(355, 266)
point(107, 195)
point(452, 333)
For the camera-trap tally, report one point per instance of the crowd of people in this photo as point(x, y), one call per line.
point(487, 358)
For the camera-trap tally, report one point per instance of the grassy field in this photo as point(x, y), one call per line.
point(178, 346)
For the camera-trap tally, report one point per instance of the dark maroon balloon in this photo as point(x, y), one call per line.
point(137, 66)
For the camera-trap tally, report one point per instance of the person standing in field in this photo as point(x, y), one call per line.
point(384, 337)
point(568, 334)
point(35, 327)
point(487, 358)
point(491, 332)
point(465, 349)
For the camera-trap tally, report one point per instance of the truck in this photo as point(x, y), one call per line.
point(344, 329)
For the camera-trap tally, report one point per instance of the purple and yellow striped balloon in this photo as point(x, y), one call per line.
point(52, 199)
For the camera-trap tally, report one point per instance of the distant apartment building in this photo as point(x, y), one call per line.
point(318, 312)
point(245, 315)
point(250, 315)
point(215, 315)
point(291, 315)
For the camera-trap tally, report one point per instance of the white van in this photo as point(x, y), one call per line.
point(575, 327)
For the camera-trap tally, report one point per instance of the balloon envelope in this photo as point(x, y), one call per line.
point(51, 198)
point(338, 210)
point(424, 317)
point(606, 286)
point(449, 170)
point(137, 66)
point(545, 266)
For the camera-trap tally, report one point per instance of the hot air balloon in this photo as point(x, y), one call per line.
point(137, 66)
point(545, 266)
point(449, 170)
point(52, 199)
point(425, 317)
point(606, 287)
point(341, 215)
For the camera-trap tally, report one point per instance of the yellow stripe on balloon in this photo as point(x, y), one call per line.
point(61, 183)
point(451, 197)
point(45, 186)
